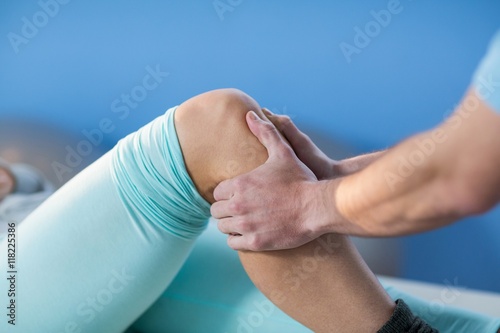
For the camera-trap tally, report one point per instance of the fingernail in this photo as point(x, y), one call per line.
point(253, 115)
point(267, 111)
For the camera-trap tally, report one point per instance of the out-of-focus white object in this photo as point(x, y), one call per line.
point(479, 301)
point(27, 178)
point(32, 188)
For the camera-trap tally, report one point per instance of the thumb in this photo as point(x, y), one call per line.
point(266, 132)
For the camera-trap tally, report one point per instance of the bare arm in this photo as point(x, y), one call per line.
point(355, 164)
point(427, 181)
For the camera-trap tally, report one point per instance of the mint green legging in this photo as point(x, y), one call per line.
point(96, 254)
point(102, 249)
point(212, 293)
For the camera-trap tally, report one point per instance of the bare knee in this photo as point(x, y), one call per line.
point(215, 139)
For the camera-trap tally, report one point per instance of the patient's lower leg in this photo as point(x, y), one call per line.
point(324, 284)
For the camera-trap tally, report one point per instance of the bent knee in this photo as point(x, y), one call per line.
point(215, 139)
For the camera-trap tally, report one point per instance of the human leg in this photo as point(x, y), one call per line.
point(325, 284)
point(213, 288)
point(213, 293)
point(96, 254)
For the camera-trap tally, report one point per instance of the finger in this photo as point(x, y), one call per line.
point(220, 209)
point(293, 136)
point(267, 112)
point(292, 133)
point(267, 133)
point(276, 122)
point(247, 242)
point(272, 118)
point(237, 243)
point(224, 191)
point(228, 226)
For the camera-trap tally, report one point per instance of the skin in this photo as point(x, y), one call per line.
point(460, 178)
point(324, 284)
point(7, 182)
point(426, 182)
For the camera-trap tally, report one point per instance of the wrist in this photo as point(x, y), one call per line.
point(329, 214)
point(343, 168)
point(326, 169)
point(337, 169)
point(333, 169)
point(346, 167)
point(355, 164)
point(324, 213)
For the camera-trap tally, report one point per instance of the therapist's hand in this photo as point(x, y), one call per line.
point(305, 149)
point(7, 183)
point(280, 204)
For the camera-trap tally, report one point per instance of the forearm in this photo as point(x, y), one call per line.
point(354, 164)
point(425, 182)
point(390, 197)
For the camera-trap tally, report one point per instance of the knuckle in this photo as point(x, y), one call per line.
point(284, 152)
point(220, 226)
point(244, 225)
point(285, 121)
point(254, 243)
point(219, 190)
point(269, 129)
point(236, 207)
point(238, 185)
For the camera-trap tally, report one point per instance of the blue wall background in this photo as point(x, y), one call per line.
point(284, 53)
